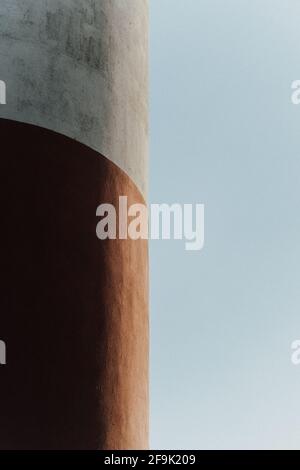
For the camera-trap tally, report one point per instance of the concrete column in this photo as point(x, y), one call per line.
point(73, 309)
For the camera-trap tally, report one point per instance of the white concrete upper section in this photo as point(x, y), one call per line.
point(80, 68)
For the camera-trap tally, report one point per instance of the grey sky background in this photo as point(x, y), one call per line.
point(224, 133)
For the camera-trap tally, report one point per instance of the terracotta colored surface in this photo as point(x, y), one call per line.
point(73, 309)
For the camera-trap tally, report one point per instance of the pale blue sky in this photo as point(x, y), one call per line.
point(224, 133)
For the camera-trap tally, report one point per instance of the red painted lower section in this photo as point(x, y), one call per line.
point(73, 309)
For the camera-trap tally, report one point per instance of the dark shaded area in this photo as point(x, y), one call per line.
point(73, 309)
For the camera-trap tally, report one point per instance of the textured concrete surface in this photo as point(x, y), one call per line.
point(73, 309)
point(79, 67)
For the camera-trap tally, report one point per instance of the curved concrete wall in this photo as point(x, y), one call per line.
point(79, 67)
point(73, 309)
